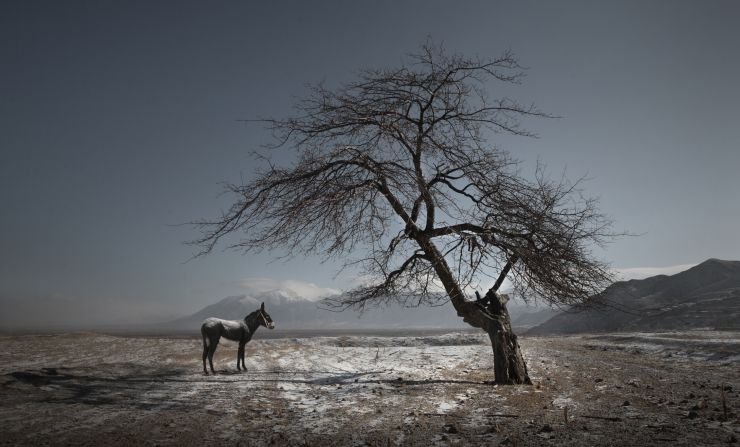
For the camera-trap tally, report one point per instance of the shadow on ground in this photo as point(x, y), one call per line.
point(166, 388)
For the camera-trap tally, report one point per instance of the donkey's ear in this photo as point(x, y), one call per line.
point(263, 306)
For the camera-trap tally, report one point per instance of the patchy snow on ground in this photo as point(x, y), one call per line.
point(712, 345)
point(609, 389)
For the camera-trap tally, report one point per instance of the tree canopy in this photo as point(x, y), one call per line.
point(395, 175)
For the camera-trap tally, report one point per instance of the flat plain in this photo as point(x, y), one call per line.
point(675, 388)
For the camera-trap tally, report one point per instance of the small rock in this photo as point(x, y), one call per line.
point(692, 414)
point(626, 403)
point(598, 379)
point(546, 428)
point(450, 428)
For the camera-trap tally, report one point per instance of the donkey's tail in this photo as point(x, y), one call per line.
point(206, 341)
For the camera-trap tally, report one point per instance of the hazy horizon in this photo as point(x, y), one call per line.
point(66, 315)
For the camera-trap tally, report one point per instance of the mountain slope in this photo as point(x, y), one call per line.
point(704, 296)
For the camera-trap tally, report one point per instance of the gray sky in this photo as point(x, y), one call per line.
point(119, 119)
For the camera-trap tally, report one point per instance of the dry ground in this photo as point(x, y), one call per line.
point(628, 389)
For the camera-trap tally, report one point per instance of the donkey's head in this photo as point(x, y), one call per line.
point(265, 319)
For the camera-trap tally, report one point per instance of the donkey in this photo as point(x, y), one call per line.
point(242, 331)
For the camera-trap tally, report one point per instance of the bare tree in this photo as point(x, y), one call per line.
point(396, 167)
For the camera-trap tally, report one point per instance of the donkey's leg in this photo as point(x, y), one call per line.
point(241, 356)
point(211, 351)
point(205, 355)
point(205, 348)
point(239, 353)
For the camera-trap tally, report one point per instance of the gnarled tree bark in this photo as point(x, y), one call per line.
point(508, 362)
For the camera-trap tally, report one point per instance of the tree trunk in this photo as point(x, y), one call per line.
point(508, 362)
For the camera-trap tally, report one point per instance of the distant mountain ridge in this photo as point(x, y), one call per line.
point(704, 296)
point(291, 312)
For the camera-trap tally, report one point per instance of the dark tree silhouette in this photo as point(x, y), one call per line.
point(394, 175)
